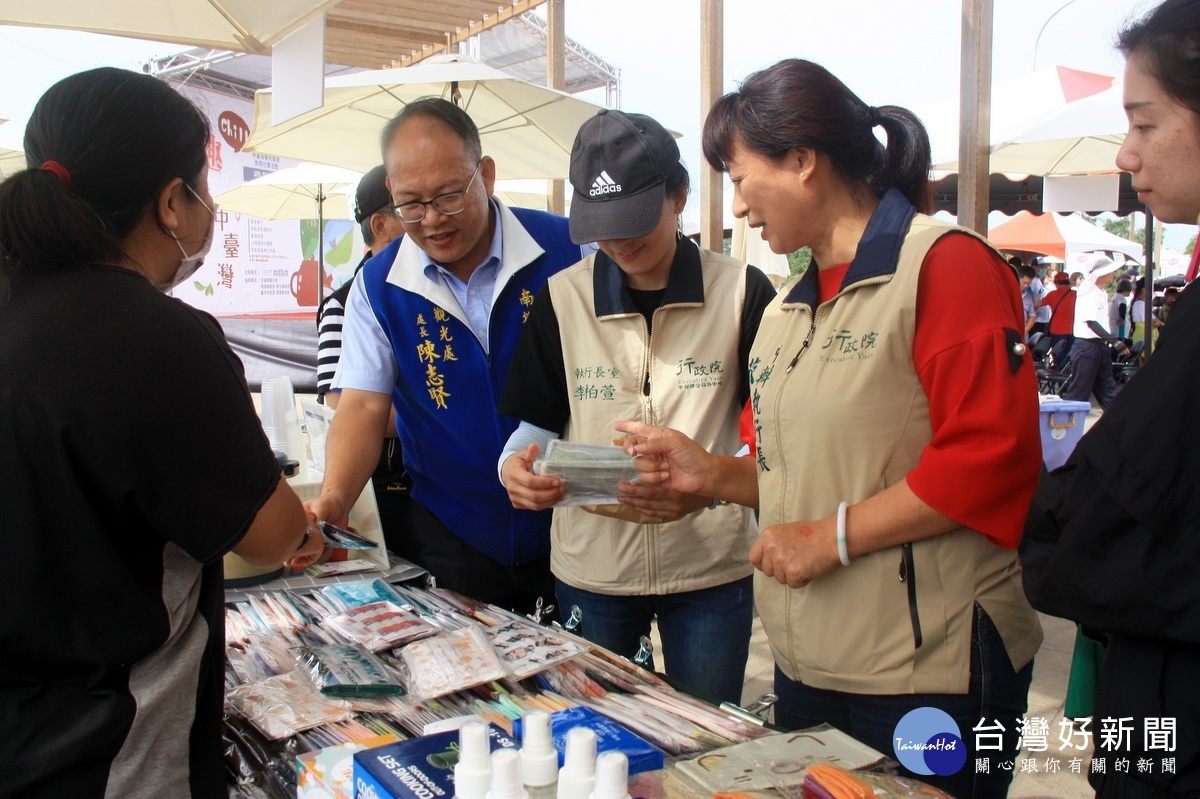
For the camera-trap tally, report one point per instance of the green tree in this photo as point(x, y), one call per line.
point(799, 261)
point(1119, 227)
point(1191, 245)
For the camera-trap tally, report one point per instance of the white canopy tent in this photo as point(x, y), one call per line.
point(1058, 236)
point(528, 129)
point(1016, 105)
point(1080, 138)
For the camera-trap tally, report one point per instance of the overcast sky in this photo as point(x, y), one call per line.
point(903, 53)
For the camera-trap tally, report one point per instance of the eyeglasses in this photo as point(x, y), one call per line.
point(446, 204)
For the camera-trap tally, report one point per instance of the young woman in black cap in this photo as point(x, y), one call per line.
point(650, 328)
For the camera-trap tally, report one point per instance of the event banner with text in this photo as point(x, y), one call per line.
point(258, 266)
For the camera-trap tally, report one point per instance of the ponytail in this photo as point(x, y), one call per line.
point(907, 158)
point(796, 103)
point(109, 141)
point(44, 225)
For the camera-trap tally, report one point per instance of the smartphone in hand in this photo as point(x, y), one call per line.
point(337, 537)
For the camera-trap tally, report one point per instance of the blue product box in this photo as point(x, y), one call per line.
point(610, 737)
point(421, 768)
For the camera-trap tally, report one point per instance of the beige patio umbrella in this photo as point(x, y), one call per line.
point(248, 25)
point(10, 160)
point(527, 129)
point(300, 192)
point(307, 191)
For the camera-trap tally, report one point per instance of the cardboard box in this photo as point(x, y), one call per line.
point(420, 768)
point(329, 772)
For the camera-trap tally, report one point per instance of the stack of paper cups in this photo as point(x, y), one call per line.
point(279, 419)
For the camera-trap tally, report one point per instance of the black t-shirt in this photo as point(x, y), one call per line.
point(131, 461)
point(536, 389)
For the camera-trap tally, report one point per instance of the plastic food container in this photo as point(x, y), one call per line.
point(1061, 425)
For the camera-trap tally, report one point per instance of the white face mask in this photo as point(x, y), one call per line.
point(188, 264)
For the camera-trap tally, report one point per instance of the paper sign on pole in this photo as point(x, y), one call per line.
point(298, 72)
point(1069, 193)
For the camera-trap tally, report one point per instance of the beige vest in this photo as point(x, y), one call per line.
point(692, 359)
point(850, 419)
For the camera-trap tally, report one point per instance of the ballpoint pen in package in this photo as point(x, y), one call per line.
point(337, 537)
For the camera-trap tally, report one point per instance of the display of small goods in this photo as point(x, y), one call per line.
point(324, 682)
point(313, 674)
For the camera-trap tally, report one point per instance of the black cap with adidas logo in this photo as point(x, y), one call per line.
point(619, 168)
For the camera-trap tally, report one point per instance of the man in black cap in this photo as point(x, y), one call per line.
point(373, 212)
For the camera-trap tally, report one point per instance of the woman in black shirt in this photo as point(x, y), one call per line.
point(131, 457)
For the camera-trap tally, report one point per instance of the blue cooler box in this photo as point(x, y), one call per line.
point(1062, 427)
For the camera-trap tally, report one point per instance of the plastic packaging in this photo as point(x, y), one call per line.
point(578, 775)
point(282, 706)
point(356, 593)
point(473, 772)
point(610, 737)
point(451, 662)
point(612, 776)
point(506, 776)
point(590, 473)
point(527, 649)
point(380, 625)
point(280, 421)
point(347, 670)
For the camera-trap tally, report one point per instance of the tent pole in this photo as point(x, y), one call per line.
point(712, 66)
point(320, 245)
point(556, 45)
point(975, 114)
point(1149, 253)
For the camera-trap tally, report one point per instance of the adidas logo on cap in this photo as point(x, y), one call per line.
point(604, 184)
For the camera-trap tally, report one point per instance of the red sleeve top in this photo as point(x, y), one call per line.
point(982, 465)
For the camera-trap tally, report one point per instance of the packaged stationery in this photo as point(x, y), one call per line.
point(380, 625)
point(347, 670)
point(451, 662)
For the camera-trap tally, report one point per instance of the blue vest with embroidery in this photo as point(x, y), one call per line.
point(448, 389)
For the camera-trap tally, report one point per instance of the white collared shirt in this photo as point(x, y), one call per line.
point(368, 361)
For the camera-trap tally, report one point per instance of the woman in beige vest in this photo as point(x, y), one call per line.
point(895, 412)
point(655, 329)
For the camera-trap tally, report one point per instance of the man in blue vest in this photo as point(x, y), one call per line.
point(431, 326)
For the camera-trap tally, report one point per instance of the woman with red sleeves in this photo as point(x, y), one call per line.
point(895, 411)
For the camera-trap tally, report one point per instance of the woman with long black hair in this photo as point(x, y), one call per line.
point(131, 457)
point(895, 410)
point(1113, 536)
